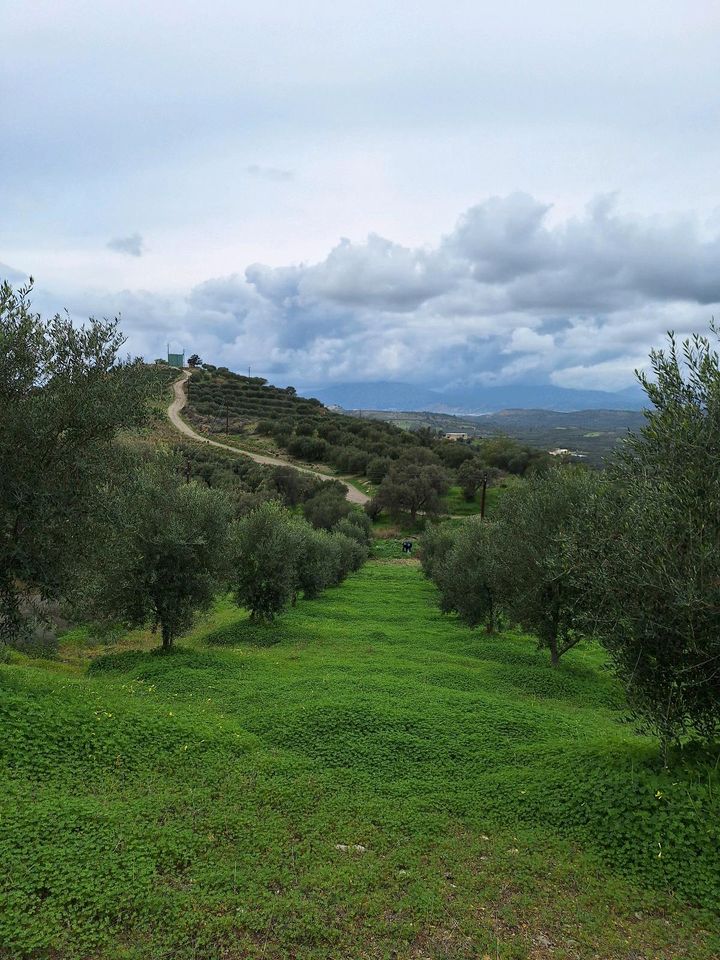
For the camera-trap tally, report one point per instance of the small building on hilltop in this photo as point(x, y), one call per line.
point(176, 359)
point(457, 436)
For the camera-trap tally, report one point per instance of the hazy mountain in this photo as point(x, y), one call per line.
point(389, 395)
point(382, 395)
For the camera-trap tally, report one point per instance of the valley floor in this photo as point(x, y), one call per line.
point(365, 779)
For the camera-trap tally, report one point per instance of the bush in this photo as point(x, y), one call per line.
point(319, 562)
point(326, 508)
point(435, 543)
point(265, 553)
point(352, 555)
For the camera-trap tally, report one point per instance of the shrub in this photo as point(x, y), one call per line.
point(435, 543)
point(352, 555)
point(326, 508)
point(266, 550)
point(466, 573)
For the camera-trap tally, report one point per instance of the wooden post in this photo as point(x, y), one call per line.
point(482, 497)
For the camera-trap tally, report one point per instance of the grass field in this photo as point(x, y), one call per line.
point(366, 779)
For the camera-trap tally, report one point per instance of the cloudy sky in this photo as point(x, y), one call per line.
point(345, 190)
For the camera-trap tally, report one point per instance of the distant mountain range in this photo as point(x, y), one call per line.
point(390, 395)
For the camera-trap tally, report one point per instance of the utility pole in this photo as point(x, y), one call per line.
point(482, 496)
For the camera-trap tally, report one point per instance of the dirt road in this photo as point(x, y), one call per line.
point(180, 399)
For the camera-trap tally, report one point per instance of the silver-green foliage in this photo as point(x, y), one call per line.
point(466, 575)
point(540, 531)
point(276, 555)
point(63, 396)
point(525, 562)
point(265, 556)
point(162, 549)
point(435, 544)
point(655, 560)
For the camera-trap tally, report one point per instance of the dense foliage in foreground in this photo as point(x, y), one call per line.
point(632, 558)
point(103, 525)
point(365, 772)
point(64, 394)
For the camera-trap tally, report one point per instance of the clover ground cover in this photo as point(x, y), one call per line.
point(197, 805)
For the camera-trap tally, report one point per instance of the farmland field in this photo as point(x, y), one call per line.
point(365, 779)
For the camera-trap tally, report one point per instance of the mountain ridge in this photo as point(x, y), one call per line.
point(477, 400)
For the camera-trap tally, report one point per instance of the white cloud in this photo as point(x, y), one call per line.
point(607, 375)
point(274, 174)
point(525, 340)
point(508, 295)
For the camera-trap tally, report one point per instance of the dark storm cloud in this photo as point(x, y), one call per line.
point(508, 294)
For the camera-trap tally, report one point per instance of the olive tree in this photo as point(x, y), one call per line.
point(470, 476)
point(318, 564)
point(265, 556)
point(465, 574)
point(64, 395)
point(413, 483)
point(162, 550)
point(352, 554)
point(327, 507)
point(541, 528)
point(357, 526)
point(377, 468)
point(436, 542)
point(655, 562)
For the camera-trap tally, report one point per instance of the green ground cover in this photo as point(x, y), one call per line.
point(366, 779)
point(455, 504)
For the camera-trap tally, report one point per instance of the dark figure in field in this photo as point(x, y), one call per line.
point(407, 546)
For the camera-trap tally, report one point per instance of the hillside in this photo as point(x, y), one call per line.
point(341, 785)
point(276, 421)
point(591, 434)
point(270, 421)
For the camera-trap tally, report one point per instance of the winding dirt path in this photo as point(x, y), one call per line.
point(180, 400)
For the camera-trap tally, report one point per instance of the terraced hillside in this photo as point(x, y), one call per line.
point(268, 421)
point(275, 420)
point(366, 779)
